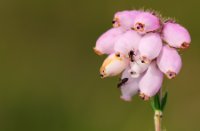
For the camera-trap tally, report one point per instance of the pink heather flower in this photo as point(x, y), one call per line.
point(169, 62)
point(151, 82)
point(150, 47)
point(176, 35)
point(146, 22)
point(135, 49)
point(105, 43)
point(137, 68)
point(129, 86)
point(127, 42)
point(124, 19)
point(113, 65)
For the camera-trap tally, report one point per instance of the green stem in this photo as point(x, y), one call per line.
point(158, 114)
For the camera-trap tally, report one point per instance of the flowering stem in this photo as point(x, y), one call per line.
point(158, 120)
point(158, 114)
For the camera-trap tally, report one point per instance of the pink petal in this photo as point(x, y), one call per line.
point(150, 47)
point(146, 22)
point(151, 82)
point(113, 65)
point(105, 43)
point(130, 88)
point(127, 42)
point(169, 62)
point(137, 68)
point(176, 35)
point(125, 19)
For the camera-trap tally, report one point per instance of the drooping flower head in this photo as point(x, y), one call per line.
point(142, 55)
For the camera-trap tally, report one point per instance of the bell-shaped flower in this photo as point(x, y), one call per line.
point(125, 19)
point(176, 35)
point(128, 85)
point(113, 65)
point(149, 47)
point(169, 61)
point(151, 82)
point(137, 68)
point(105, 43)
point(127, 42)
point(146, 22)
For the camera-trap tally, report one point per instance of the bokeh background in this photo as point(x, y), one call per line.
point(49, 75)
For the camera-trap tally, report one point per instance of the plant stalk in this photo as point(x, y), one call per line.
point(158, 120)
point(158, 115)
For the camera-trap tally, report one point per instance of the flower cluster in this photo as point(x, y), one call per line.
point(141, 47)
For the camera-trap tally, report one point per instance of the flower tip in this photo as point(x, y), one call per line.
point(126, 98)
point(171, 75)
point(134, 74)
point(144, 97)
point(116, 25)
point(102, 76)
point(115, 22)
point(145, 60)
point(185, 45)
point(97, 51)
point(139, 27)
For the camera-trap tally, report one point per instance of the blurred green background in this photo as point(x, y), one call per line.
point(49, 75)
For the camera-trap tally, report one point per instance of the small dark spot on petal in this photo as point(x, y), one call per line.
point(118, 54)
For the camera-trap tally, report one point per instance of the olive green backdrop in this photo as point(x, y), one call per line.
point(49, 75)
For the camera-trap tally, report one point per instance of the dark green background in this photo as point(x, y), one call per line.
point(49, 75)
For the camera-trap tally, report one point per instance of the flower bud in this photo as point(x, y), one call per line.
point(151, 82)
point(176, 35)
point(169, 62)
point(149, 47)
point(137, 68)
point(127, 42)
point(105, 43)
point(113, 65)
point(130, 87)
point(146, 22)
point(125, 19)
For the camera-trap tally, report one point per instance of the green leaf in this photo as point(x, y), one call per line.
point(157, 102)
point(164, 101)
point(153, 104)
